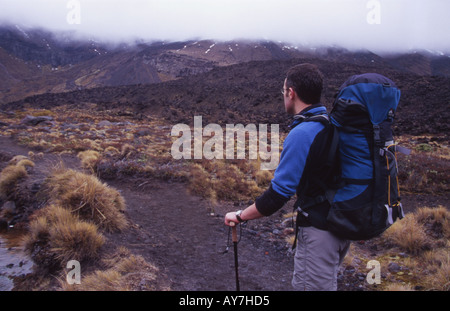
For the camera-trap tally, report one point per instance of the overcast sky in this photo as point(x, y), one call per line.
point(371, 24)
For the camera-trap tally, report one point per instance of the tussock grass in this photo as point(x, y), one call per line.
point(201, 183)
point(9, 178)
point(89, 159)
point(407, 234)
point(124, 271)
point(440, 279)
point(16, 159)
point(435, 220)
point(88, 197)
point(111, 151)
point(126, 150)
point(228, 180)
point(263, 178)
point(424, 236)
point(420, 230)
point(57, 234)
point(12, 174)
point(25, 163)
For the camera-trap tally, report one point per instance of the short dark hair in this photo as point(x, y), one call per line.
point(307, 82)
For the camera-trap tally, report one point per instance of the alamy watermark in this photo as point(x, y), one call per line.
point(374, 14)
point(191, 145)
point(73, 17)
point(74, 275)
point(374, 275)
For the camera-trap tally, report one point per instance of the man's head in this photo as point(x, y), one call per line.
point(302, 87)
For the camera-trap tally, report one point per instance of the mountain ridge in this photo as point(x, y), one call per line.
point(37, 61)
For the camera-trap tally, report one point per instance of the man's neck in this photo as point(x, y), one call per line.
point(300, 106)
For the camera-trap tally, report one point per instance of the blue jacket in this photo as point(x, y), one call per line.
point(296, 157)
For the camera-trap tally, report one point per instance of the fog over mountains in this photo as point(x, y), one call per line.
point(36, 61)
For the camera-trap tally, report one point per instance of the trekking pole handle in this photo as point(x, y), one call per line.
point(233, 231)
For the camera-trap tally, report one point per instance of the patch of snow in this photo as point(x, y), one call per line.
point(22, 31)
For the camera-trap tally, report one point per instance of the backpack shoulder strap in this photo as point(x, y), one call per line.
point(322, 118)
point(334, 140)
point(330, 164)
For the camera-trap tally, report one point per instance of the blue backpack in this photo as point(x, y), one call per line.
point(365, 198)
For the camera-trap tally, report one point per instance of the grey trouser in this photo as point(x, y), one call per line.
point(317, 259)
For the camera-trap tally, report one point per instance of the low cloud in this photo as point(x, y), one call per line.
point(373, 24)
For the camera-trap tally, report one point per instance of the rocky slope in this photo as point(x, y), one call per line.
point(250, 93)
point(36, 61)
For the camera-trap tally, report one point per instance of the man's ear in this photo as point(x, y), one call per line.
point(292, 93)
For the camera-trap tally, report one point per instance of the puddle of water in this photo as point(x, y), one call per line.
point(13, 262)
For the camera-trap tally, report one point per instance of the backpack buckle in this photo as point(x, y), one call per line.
point(377, 134)
point(299, 210)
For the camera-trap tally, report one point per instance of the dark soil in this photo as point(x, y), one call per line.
point(181, 235)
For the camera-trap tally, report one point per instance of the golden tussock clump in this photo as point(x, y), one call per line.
point(111, 151)
point(9, 178)
point(89, 159)
point(437, 219)
point(228, 181)
point(424, 234)
point(437, 262)
point(263, 178)
point(57, 234)
point(126, 150)
point(88, 197)
point(16, 159)
point(407, 234)
point(419, 230)
point(124, 272)
point(12, 174)
point(25, 163)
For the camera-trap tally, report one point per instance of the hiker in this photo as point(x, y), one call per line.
point(302, 165)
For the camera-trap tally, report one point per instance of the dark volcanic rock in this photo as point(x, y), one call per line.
point(249, 93)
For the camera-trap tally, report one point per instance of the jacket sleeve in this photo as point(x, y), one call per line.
point(270, 202)
point(290, 169)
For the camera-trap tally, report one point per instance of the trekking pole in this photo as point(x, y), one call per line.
point(235, 243)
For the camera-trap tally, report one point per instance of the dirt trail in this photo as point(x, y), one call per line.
point(177, 232)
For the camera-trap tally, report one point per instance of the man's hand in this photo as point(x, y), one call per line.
point(248, 214)
point(231, 218)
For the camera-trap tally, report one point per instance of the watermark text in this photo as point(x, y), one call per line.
point(229, 144)
point(374, 14)
point(74, 275)
point(73, 17)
